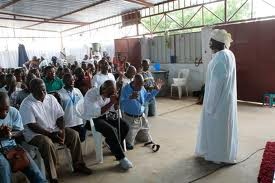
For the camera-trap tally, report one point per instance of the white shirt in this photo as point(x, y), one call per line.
point(93, 102)
point(3, 89)
point(44, 63)
point(89, 61)
point(100, 78)
point(68, 103)
point(43, 113)
point(125, 81)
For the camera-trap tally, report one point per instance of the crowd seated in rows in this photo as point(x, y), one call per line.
point(42, 101)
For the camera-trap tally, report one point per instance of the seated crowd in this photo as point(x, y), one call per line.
point(38, 106)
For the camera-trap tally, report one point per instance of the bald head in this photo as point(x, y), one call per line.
point(79, 73)
point(131, 72)
point(10, 80)
point(108, 88)
point(38, 89)
point(103, 65)
point(68, 81)
point(138, 78)
point(145, 64)
point(107, 84)
point(35, 82)
point(138, 82)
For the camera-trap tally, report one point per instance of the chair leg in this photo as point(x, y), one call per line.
point(180, 91)
point(98, 145)
point(270, 101)
point(186, 89)
point(68, 157)
point(171, 90)
point(85, 145)
point(124, 145)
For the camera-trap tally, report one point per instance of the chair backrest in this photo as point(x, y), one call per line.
point(184, 73)
point(79, 108)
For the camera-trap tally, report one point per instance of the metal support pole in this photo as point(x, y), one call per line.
point(225, 11)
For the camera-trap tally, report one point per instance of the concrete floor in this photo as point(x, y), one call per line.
point(175, 129)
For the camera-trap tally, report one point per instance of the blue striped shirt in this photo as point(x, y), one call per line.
point(135, 106)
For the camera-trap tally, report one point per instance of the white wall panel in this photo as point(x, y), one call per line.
point(192, 47)
point(187, 48)
point(180, 51)
point(163, 50)
point(198, 42)
point(177, 38)
point(195, 81)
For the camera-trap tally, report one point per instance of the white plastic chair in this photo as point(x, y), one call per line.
point(67, 154)
point(180, 82)
point(97, 136)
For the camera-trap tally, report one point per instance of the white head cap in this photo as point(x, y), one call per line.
point(148, 60)
point(223, 36)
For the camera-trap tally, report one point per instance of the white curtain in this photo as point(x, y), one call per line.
point(78, 44)
point(37, 43)
point(8, 53)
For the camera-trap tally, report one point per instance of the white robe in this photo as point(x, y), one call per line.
point(218, 133)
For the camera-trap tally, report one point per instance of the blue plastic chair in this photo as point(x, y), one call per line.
point(269, 99)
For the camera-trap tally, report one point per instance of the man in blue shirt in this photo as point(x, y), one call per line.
point(133, 100)
point(149, 85)
point(10, 127)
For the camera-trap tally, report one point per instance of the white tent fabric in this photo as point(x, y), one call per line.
point(78, 44)
point(34, 47)
point(36, 43)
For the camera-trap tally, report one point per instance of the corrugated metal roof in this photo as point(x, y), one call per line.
point(47, 8)
point(53, 27)
point(50, 9)
point(3, 2)
point(154, 1)
point(101, 11)
point(14, 23)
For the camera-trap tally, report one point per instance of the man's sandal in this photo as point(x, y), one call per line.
point(155, 147)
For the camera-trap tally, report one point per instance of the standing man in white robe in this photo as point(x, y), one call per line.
point(218, 133)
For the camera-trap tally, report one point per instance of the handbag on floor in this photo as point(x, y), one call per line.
point(17, 158)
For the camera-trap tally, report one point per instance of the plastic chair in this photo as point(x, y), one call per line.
point(67, 154)
point(268, 98)
point(180, 82)
point(97, 136)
